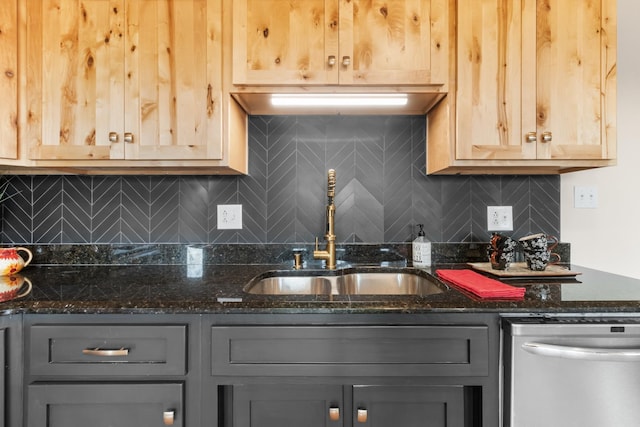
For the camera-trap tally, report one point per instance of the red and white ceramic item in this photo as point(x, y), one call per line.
point(11, 262)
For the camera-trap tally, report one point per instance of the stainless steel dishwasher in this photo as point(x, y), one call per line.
point(565, 372)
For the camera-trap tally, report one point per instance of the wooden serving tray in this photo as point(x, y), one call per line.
point(519, 269)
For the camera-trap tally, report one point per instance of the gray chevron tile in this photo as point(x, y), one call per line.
point(485, 191)
point(368, 215)
point(427, 207)
point(107, 210)
point(252, 194)
point(345, 209)
point(136, 209)
point(398, 185)
point(456, 209)
point(165, 210)
point(47, 209)
point(515, 193)
point(382, 193)
point(545, 205)
point(342, 158)
point(311, 190)
point(17, 211)
point(193, 213)
point(76, 209)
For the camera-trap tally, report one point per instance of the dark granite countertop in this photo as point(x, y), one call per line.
point(170, 289)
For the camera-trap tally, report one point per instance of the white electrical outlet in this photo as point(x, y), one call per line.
point(585, 197)
point(229, 217)
point(499, 218)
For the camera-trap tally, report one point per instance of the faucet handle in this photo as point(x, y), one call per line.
point(317, 244)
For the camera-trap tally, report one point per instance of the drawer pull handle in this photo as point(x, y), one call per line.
point(113, 137)
point(168, 417)
point(128, 137)
point(362, 415)
point(106, 352)
point(547, 136)
point(334, 414)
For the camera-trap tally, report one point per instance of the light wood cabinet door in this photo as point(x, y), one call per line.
point(116, 79)
point(329, 42)
point(9, 79)
point(536, 80)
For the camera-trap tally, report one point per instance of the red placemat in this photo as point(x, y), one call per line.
point(481, 286)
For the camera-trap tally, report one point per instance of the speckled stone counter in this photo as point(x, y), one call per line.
point(161, 287)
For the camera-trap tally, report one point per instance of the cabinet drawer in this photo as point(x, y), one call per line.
point(76, 350)
point(350, 350)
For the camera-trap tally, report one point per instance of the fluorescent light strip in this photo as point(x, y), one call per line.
point(338, 100)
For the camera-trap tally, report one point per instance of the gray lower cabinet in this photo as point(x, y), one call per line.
point(111, 370)
point(282, 405)
point(105, 405)
point(438, 373)
point(408, 406)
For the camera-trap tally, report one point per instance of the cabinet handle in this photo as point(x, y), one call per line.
point(113, 137)
point(547, 136)
point(168, 417)
point(362, 415)
point(331, 61)
point(128, 137)
point(346, 61)
point(531, 137)
point(106, 352)
point(334, 414)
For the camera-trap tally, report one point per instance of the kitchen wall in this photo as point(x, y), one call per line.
point(607, 237)
point(382, 192)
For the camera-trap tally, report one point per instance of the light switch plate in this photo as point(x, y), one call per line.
point(585, 197)
point(229, 217)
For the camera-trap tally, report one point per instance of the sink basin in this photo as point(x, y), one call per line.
point(292, 285)
point(386, 284)
point(379, 283)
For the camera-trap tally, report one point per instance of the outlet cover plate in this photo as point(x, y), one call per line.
point(499, 218)
point(229, 217)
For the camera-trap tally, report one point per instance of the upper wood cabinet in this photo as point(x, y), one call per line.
point(135, 80)
point(535, 89)
point(9, 79)
point(329, 42)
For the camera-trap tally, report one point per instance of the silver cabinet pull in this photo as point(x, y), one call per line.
point(547, 136)
point(331, 61)
point(334, 414)
point(346, 61)
point(531, 137)
point(113, 137)
point(106, 352)
point(168, 417)
point(128, 137)
point(362, 415)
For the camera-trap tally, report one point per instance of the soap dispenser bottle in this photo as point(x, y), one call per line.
point(421, 249)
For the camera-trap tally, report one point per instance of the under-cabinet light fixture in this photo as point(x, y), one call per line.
point(339, 100)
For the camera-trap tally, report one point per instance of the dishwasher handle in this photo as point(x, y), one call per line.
point(583, 353)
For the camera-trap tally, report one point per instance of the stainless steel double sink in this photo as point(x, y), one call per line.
point(349, 283)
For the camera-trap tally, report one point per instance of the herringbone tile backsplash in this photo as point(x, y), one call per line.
point(382, 193)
